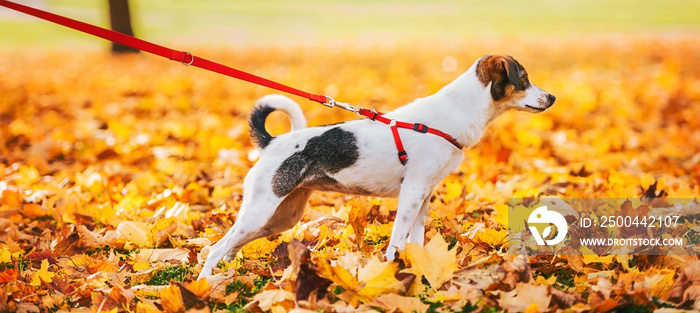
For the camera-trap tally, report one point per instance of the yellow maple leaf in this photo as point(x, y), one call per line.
point(136, 232)
point(434, 261)
point(540, 280)
point(478, 233)
point(141, 266)
point(591, 257)
point(144, 307)
point(500, 214)
point(43, 274)
point(343, 278)
point(338, 275)
point(259, 248)
point(454, 189)
point(377, 278)
point(5, 256)
point(269, 298)
point(200, 288)
point(171, 299)
point(491, 236)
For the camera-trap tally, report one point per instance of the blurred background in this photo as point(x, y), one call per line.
point(305, 22)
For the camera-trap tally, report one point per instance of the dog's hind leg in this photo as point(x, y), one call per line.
point(253, 223)
point(287, 214)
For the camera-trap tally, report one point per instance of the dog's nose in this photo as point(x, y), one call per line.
point(551, 98)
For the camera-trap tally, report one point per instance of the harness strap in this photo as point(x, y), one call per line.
point(395, 125)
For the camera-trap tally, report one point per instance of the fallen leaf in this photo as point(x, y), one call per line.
point(307, 280)
point(434, 261)
point(171, 299)
point(268, 298)
point(160, 255)
point(144, 307)
point(200, 288)
point(43, 274)
point(525, 297)
point(393, 302)
point(378, 278)
point(136, 232)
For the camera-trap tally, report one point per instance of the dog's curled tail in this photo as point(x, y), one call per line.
point(263, 108)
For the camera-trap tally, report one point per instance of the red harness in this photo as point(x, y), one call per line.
point(395, 125)
point(187, 58)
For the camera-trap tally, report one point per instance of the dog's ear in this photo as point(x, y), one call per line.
point(512, 70)
point(499, 71)
point(494, 68)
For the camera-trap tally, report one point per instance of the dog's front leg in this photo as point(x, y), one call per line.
point(417, 232)
point(412, 199)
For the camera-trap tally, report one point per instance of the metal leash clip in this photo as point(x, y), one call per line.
point(330, 102)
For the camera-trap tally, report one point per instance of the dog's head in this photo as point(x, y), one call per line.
point(510, 86)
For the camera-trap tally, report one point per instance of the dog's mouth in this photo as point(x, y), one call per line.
point(535, 108)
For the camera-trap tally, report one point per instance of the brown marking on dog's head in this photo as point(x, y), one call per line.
point(507, 77)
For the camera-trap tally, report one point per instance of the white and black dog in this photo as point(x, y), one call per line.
point(359, 157)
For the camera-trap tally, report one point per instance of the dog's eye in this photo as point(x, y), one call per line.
point(524, 81)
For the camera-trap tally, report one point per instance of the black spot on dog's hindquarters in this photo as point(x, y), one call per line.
point(325, 154)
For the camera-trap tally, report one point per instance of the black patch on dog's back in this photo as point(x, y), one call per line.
point(256, 124)
point(325, 154)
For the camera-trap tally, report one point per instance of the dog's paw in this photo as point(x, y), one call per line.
point(391, 254)
point(206, 272)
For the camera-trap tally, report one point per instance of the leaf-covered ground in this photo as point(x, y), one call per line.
point(118, 173)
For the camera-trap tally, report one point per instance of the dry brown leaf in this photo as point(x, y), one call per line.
point(269, 298)
point(523, 296)
point(161, 255)
point(394, 302)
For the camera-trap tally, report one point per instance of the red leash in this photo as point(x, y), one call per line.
point(188, 58)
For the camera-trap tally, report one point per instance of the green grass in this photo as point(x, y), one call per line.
point(164, 276)
point(261, 22)
point(246, 293)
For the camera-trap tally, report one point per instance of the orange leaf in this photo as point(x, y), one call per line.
point(171, 299)
point(32, 210)
point(200, 288)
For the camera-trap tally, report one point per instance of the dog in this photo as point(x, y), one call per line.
point(358, 157)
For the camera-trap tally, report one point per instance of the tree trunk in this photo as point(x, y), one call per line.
point(120, 21)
